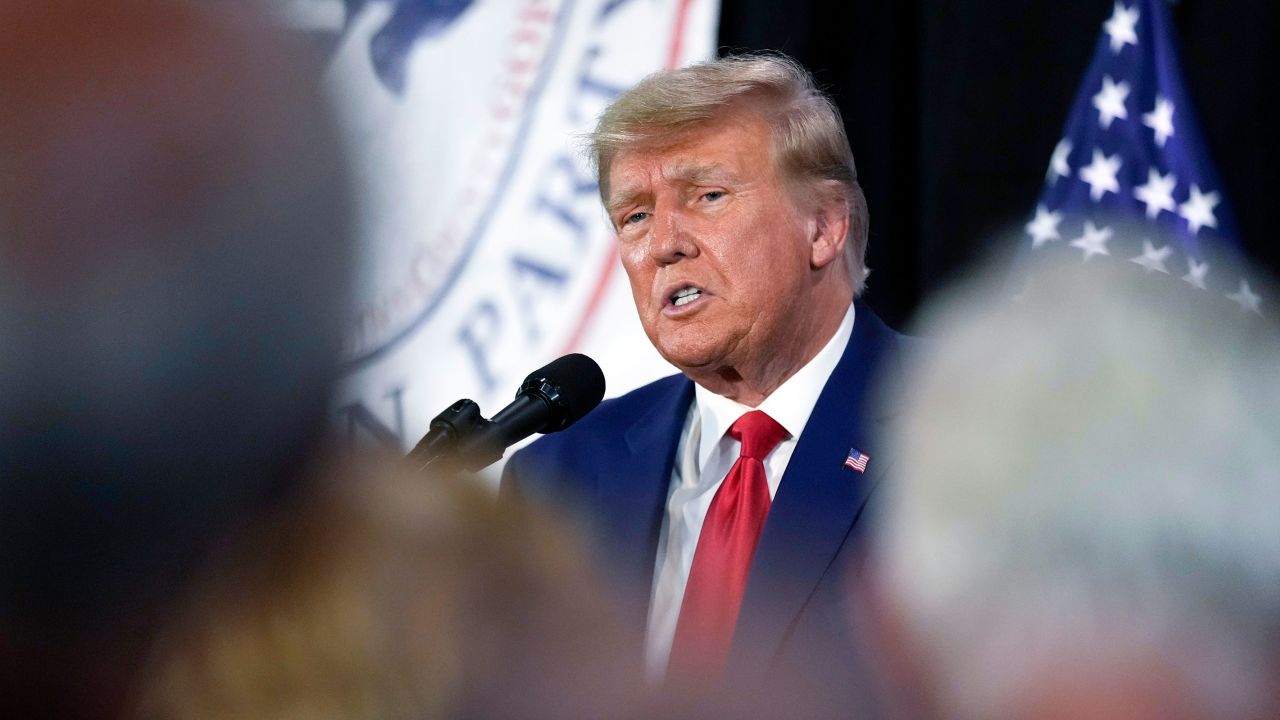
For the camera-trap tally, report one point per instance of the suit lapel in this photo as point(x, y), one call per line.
point(632, 495)
point(818, 500)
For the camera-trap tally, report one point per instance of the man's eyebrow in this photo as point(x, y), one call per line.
point(691, 173)
point(622, 198)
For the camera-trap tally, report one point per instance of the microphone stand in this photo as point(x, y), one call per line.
point(460, 438)
point(550, 399)
point(449, 429)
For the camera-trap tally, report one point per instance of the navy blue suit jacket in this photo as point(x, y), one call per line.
point(613, 470)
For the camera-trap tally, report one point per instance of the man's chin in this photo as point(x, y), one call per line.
point(694, 361)
point(696, 349)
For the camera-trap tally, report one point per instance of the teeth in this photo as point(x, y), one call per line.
point(686, 296)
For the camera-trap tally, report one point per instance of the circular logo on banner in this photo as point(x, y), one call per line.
point(485, 250)
point(440, 125)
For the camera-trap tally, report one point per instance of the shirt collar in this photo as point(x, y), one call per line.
point(790, 405)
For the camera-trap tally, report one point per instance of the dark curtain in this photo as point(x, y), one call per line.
point(953, 108)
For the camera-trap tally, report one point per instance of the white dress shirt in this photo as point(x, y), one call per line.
point(703, 459)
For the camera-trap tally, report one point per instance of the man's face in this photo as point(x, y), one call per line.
point(720, 257)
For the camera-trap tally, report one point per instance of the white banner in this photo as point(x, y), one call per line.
point(486, 252)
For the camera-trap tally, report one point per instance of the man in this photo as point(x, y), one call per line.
point(742, 229)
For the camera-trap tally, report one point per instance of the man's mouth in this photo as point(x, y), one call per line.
point(684, 296)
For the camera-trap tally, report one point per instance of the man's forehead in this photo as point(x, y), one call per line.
point(687, 168)
point(715, 151)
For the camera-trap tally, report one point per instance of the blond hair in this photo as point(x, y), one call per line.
point(810, 147)
point(381, 595)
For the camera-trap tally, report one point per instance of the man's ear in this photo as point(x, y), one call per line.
point(830, 226)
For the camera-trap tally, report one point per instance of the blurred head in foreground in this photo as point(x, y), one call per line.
point(173, 248)
point(384, 596)
point(1086, 523)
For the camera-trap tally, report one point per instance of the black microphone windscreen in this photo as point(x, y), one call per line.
point(578, 384)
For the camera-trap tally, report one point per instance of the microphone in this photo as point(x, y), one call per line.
point(550, 399)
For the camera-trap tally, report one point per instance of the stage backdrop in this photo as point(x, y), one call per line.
point(486, 253)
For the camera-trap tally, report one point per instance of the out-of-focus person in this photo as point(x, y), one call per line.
point(382, 595)
point(725, 498)
point(174, 253)
point(1084, 521)
point(179, 540)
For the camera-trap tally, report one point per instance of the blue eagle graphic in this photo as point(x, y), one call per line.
point(410, 22)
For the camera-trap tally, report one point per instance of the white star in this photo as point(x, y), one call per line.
point(1058, 165)
point(1196, 273)
point(1093, 241)
point(1152, 258)
point(1120, 27)
point(1160, 119)
point(1157, 193)
point(1044, 227)
point(1246, 298)
point(1110, 101)
point(1101, 174)
point(1198, 209)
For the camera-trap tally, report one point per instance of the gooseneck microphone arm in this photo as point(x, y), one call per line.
point(457, 421)
point(550, 399)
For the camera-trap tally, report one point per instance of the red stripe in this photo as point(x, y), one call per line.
point(677, 39)
point(597, 294)
point(611, 257)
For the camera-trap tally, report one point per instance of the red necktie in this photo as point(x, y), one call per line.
point(713, 595)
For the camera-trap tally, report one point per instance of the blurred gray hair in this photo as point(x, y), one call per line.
point(1089, 476)
point(810, 146)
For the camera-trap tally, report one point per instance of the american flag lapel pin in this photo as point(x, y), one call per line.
point(857, 460)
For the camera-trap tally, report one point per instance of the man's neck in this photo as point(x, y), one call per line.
point(750, 386)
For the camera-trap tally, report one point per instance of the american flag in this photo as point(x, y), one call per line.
point(1132, 151)
point(856, 460)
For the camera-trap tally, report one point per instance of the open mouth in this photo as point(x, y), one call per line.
point(684, 296)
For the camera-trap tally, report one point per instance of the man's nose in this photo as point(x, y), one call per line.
point(672, 240)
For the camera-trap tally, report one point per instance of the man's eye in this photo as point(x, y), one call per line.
point(634, 217)
point(713, 195)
